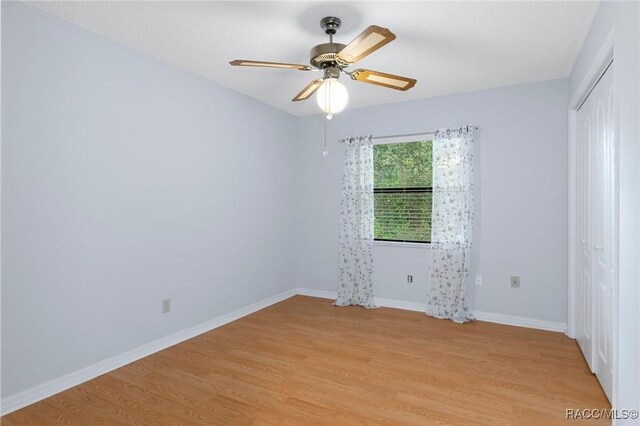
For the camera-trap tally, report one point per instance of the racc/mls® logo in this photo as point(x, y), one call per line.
point(600, 413)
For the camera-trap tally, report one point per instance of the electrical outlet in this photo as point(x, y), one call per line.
point(166, 306)
point(478, 280)
point(409, 279)
point(515, 281)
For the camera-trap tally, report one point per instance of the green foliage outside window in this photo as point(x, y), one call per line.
point(402, 191)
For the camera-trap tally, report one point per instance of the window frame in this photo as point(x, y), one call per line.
point(398, 140)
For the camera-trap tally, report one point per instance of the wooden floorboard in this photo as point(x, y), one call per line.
point(304, 361)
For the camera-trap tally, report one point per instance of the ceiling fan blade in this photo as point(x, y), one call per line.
point(245, 63)
point(370, 40)
point(308, 91)
point(383, 79)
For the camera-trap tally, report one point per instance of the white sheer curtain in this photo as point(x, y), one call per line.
point(355, 285)
point(452, 224)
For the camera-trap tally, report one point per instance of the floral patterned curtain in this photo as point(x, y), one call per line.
point(452, 224)
point(356, 225)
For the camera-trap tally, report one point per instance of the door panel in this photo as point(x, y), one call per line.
point(584, 285)
point(596, 230)
point(605, 267)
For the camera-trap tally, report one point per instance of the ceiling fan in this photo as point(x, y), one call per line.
point(333, 59)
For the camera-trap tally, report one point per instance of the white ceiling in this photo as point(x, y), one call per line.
point(449, 47)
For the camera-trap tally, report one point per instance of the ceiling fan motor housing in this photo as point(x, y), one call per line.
point(324, 55)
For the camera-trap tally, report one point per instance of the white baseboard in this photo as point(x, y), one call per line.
point(324, 294)
point(45, 390)
point(386, 303)
point(520, 321)
point(480, 316)
point(400, 304)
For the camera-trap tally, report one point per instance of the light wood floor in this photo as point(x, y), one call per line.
point(304, 361)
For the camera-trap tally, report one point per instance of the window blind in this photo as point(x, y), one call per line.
point(403, 192)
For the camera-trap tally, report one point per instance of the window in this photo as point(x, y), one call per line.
point(402, 191)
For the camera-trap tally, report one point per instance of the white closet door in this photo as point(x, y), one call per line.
point(605, 235)
point(584, 263)
point(596, 283)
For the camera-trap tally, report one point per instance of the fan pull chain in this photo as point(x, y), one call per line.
point(325, 152)
point(327, 97)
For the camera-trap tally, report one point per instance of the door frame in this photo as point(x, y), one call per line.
point(598, 66)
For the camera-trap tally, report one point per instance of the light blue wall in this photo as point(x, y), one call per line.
point(621, 20)
point(125, 181)
point(520, 203)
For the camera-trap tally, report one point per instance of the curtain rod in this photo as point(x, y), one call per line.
point(430, 132)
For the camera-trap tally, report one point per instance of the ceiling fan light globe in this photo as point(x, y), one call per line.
point(332, 96)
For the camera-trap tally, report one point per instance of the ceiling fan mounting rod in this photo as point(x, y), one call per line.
point(330, 24)
point(324, 55)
